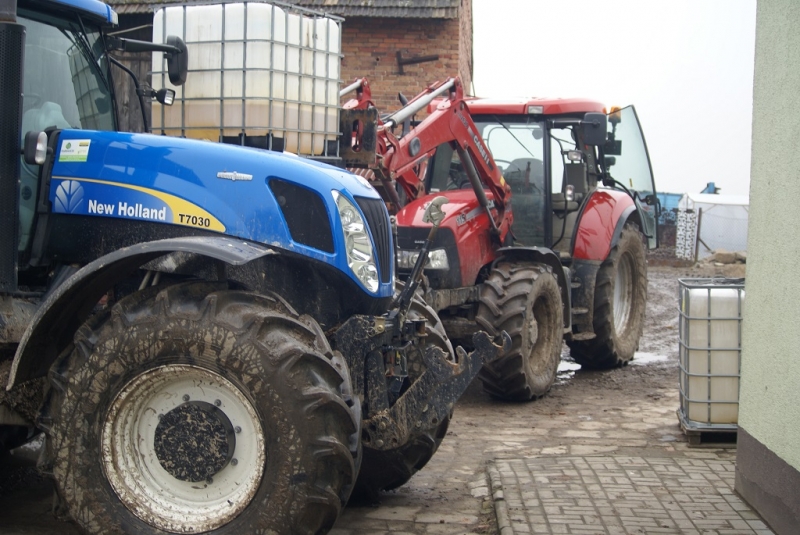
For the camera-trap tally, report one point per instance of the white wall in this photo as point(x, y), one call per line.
point(770, 386)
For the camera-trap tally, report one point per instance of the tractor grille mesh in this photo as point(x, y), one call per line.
point(305, 214)
point(378, 222)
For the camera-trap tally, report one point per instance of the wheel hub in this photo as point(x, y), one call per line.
point(623, 290)
point(183, 448)
point(194, 441)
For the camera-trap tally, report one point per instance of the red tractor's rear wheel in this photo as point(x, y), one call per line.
point(619, 306)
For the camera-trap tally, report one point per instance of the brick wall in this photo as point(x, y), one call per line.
point(370, 46)
point(465, 45)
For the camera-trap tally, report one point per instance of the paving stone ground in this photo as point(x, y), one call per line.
point(609, 495)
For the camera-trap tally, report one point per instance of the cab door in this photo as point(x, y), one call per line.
point(627, 162)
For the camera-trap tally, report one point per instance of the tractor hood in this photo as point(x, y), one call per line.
point(462, 209)
point(248, 193)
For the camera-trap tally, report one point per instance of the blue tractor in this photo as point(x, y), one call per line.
point(209, 336)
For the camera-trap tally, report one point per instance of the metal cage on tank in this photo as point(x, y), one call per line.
point(260, 75)
point(710, 354)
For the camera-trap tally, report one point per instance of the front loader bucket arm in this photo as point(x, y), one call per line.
point(428, 400)
point(431, 398)
point(450, 122)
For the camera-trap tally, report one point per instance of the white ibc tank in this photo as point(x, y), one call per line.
point(256, 70)
point(710, 350)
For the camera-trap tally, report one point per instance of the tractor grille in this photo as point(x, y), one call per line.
point(305, 214)
point(378, 222)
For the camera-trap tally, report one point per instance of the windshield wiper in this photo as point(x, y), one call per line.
point(83, 42)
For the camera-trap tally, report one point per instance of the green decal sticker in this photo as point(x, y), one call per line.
point(74, 150)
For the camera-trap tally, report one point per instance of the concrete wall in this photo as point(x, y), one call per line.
point(769, 416)
point(770, 389)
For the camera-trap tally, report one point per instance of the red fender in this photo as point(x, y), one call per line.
point(603, 213)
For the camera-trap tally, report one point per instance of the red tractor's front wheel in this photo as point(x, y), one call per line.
point(524, 300)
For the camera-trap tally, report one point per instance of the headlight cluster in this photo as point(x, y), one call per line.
point(437, 259)
point(360, 257)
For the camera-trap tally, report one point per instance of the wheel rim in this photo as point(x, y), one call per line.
point(623, 287)
point(159, 482)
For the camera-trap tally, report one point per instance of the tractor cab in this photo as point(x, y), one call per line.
point(542, 148)
point(67, 85)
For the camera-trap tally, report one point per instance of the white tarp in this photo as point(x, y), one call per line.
point(722, 223)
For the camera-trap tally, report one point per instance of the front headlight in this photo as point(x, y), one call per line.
point(360, 257)
point(437, 259)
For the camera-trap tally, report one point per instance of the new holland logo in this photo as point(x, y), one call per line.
point(69, 197)
point(234, 176)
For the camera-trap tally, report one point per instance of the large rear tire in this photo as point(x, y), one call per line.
point(620, 299)
point(388, 469)
point(200, 409)
point(525, 301)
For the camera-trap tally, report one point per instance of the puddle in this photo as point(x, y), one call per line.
point(567, 367)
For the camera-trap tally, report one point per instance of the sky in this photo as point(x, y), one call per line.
point(687, 66)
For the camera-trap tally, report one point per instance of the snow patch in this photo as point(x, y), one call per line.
point(645, 359)
point(568, 366)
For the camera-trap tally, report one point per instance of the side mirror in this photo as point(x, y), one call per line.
point(175, 51)
point(595, 128)
point(177, 62)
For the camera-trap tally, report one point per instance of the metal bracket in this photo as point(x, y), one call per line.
point(431, 397)
point(412, 61)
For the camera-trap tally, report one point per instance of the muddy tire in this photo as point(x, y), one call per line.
point(388, 469)
point(525, 301)
point(620, 298)
point(200, 409)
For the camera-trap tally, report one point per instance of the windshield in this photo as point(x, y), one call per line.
point(65, 81)
point(518, 150)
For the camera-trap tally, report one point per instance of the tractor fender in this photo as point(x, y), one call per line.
point(601, 222)
point(548, 257)
point(70, 304)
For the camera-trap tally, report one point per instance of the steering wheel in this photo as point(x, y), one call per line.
point(455, 180)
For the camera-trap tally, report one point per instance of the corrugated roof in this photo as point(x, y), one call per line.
point(413, 9)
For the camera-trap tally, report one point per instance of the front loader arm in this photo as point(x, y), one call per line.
point(449, 122)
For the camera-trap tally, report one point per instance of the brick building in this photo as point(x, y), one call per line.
point(377, 35)
point(378, 32)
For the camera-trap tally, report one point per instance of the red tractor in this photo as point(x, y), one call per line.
point(551, 204)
